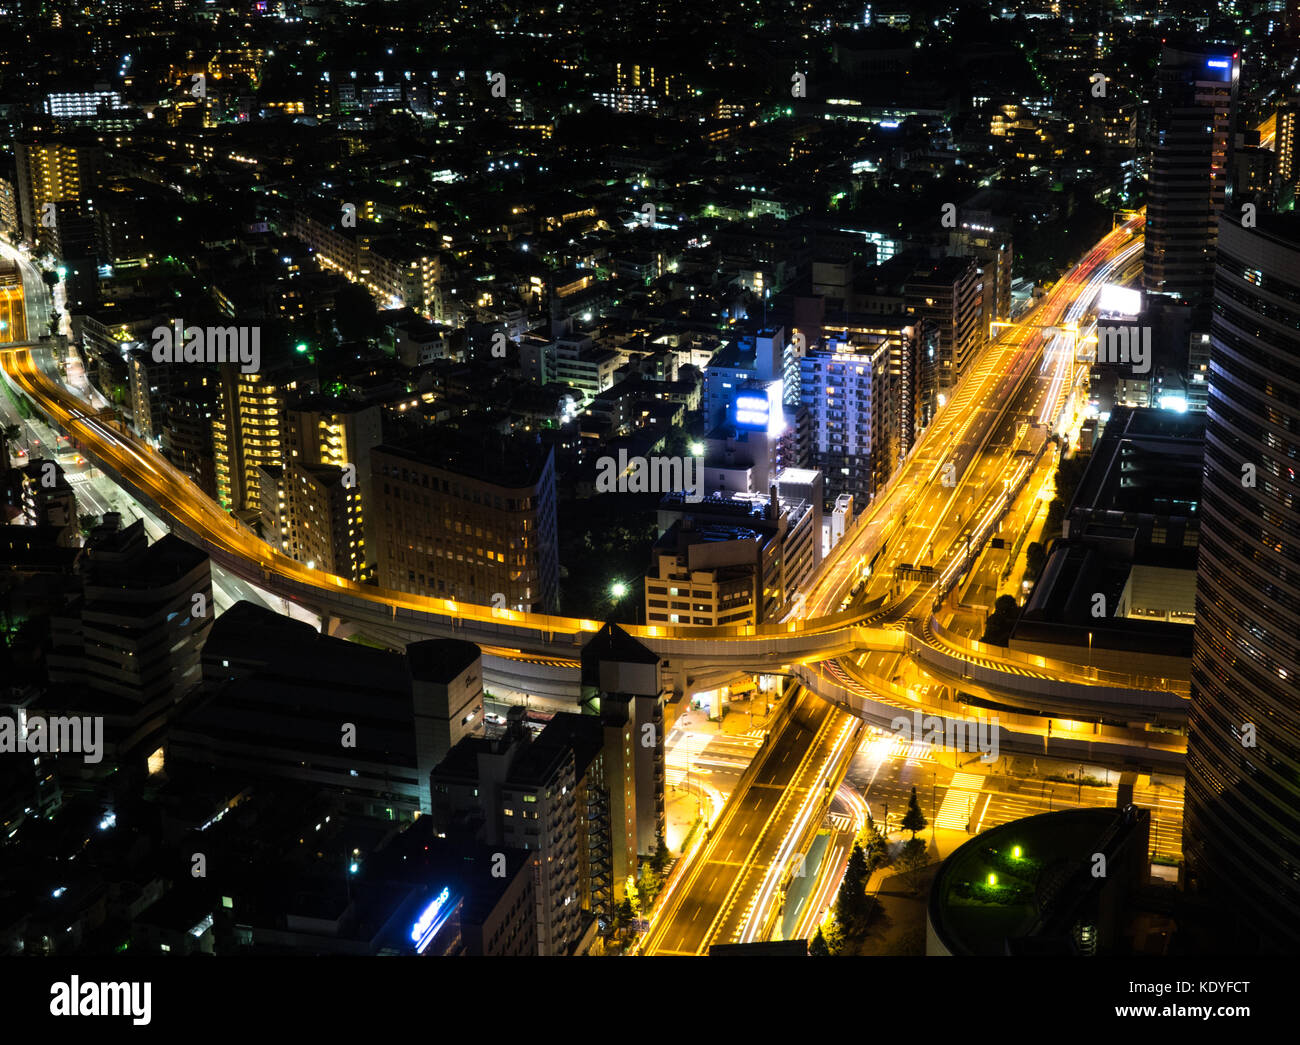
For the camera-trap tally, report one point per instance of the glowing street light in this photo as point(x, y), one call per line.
point(618, 589)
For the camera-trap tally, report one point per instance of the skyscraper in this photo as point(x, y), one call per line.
point(1193, 126)
point(1242, 826)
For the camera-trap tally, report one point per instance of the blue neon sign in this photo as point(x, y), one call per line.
point(420, 931)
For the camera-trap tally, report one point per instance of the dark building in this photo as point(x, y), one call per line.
point(1189, 167)
point(1242, 831)
point(282, 701)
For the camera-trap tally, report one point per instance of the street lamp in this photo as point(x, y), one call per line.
point(618, 589)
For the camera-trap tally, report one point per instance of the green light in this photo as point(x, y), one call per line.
point(697, 449)
point(301, 347)
point(1016, 852)
point(993, 879)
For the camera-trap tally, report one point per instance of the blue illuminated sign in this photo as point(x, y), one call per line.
point(422, 930)
point(1217, 63)
point(752, 411)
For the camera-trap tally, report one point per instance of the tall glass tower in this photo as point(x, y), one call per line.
point(1242, 823)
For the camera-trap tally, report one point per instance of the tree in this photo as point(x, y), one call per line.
point(88, 523)
point(997, 631)
point(1035, 560)
point(660, 857)
point(623, 916)
point(819, 948)
point(355, 315)
point(873, 843)
point(914, 820)
point(851, 904)
point(912, 860)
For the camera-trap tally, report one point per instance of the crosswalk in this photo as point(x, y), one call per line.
point(913, 750)
point(958, 801)
point(841, 822)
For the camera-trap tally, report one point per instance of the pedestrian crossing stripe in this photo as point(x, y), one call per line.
point(959, 801)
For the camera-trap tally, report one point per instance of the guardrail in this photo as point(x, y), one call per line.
point(1137, 757)
point(1090, 675)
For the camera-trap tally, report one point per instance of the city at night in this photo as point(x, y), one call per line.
point(646, 480)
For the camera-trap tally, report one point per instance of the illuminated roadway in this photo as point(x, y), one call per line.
point(731, 886)
point(955, 436)
point(954, 476)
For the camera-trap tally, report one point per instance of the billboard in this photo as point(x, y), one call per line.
point(1117, 300)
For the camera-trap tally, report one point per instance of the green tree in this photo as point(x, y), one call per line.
point(851, 904)
point(914, 820)
point(873, 842)
point(660, 857)
point(912, 860)
point(623, 915)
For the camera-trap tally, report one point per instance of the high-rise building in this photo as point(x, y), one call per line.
point(468, 524)
point(522, 793)
point(49, 500)
point(1242, 831)
point(1193, 124)
point(138, 628)
point(187, 435)
point(850, 390)
point(950, 294)
point(341, 434)
point(277, 693)
point(1286, 170)
point(312, 512)
point(55, 190)
point(248, 432)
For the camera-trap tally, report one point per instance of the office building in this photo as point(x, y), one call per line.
point(522, 793)
point(1241, 831)
point(282, 701)
point(136, 631)
point(468, 524)
point(734, 558)
point(1190, 167)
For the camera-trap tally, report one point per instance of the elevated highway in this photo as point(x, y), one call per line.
point(921, 506)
